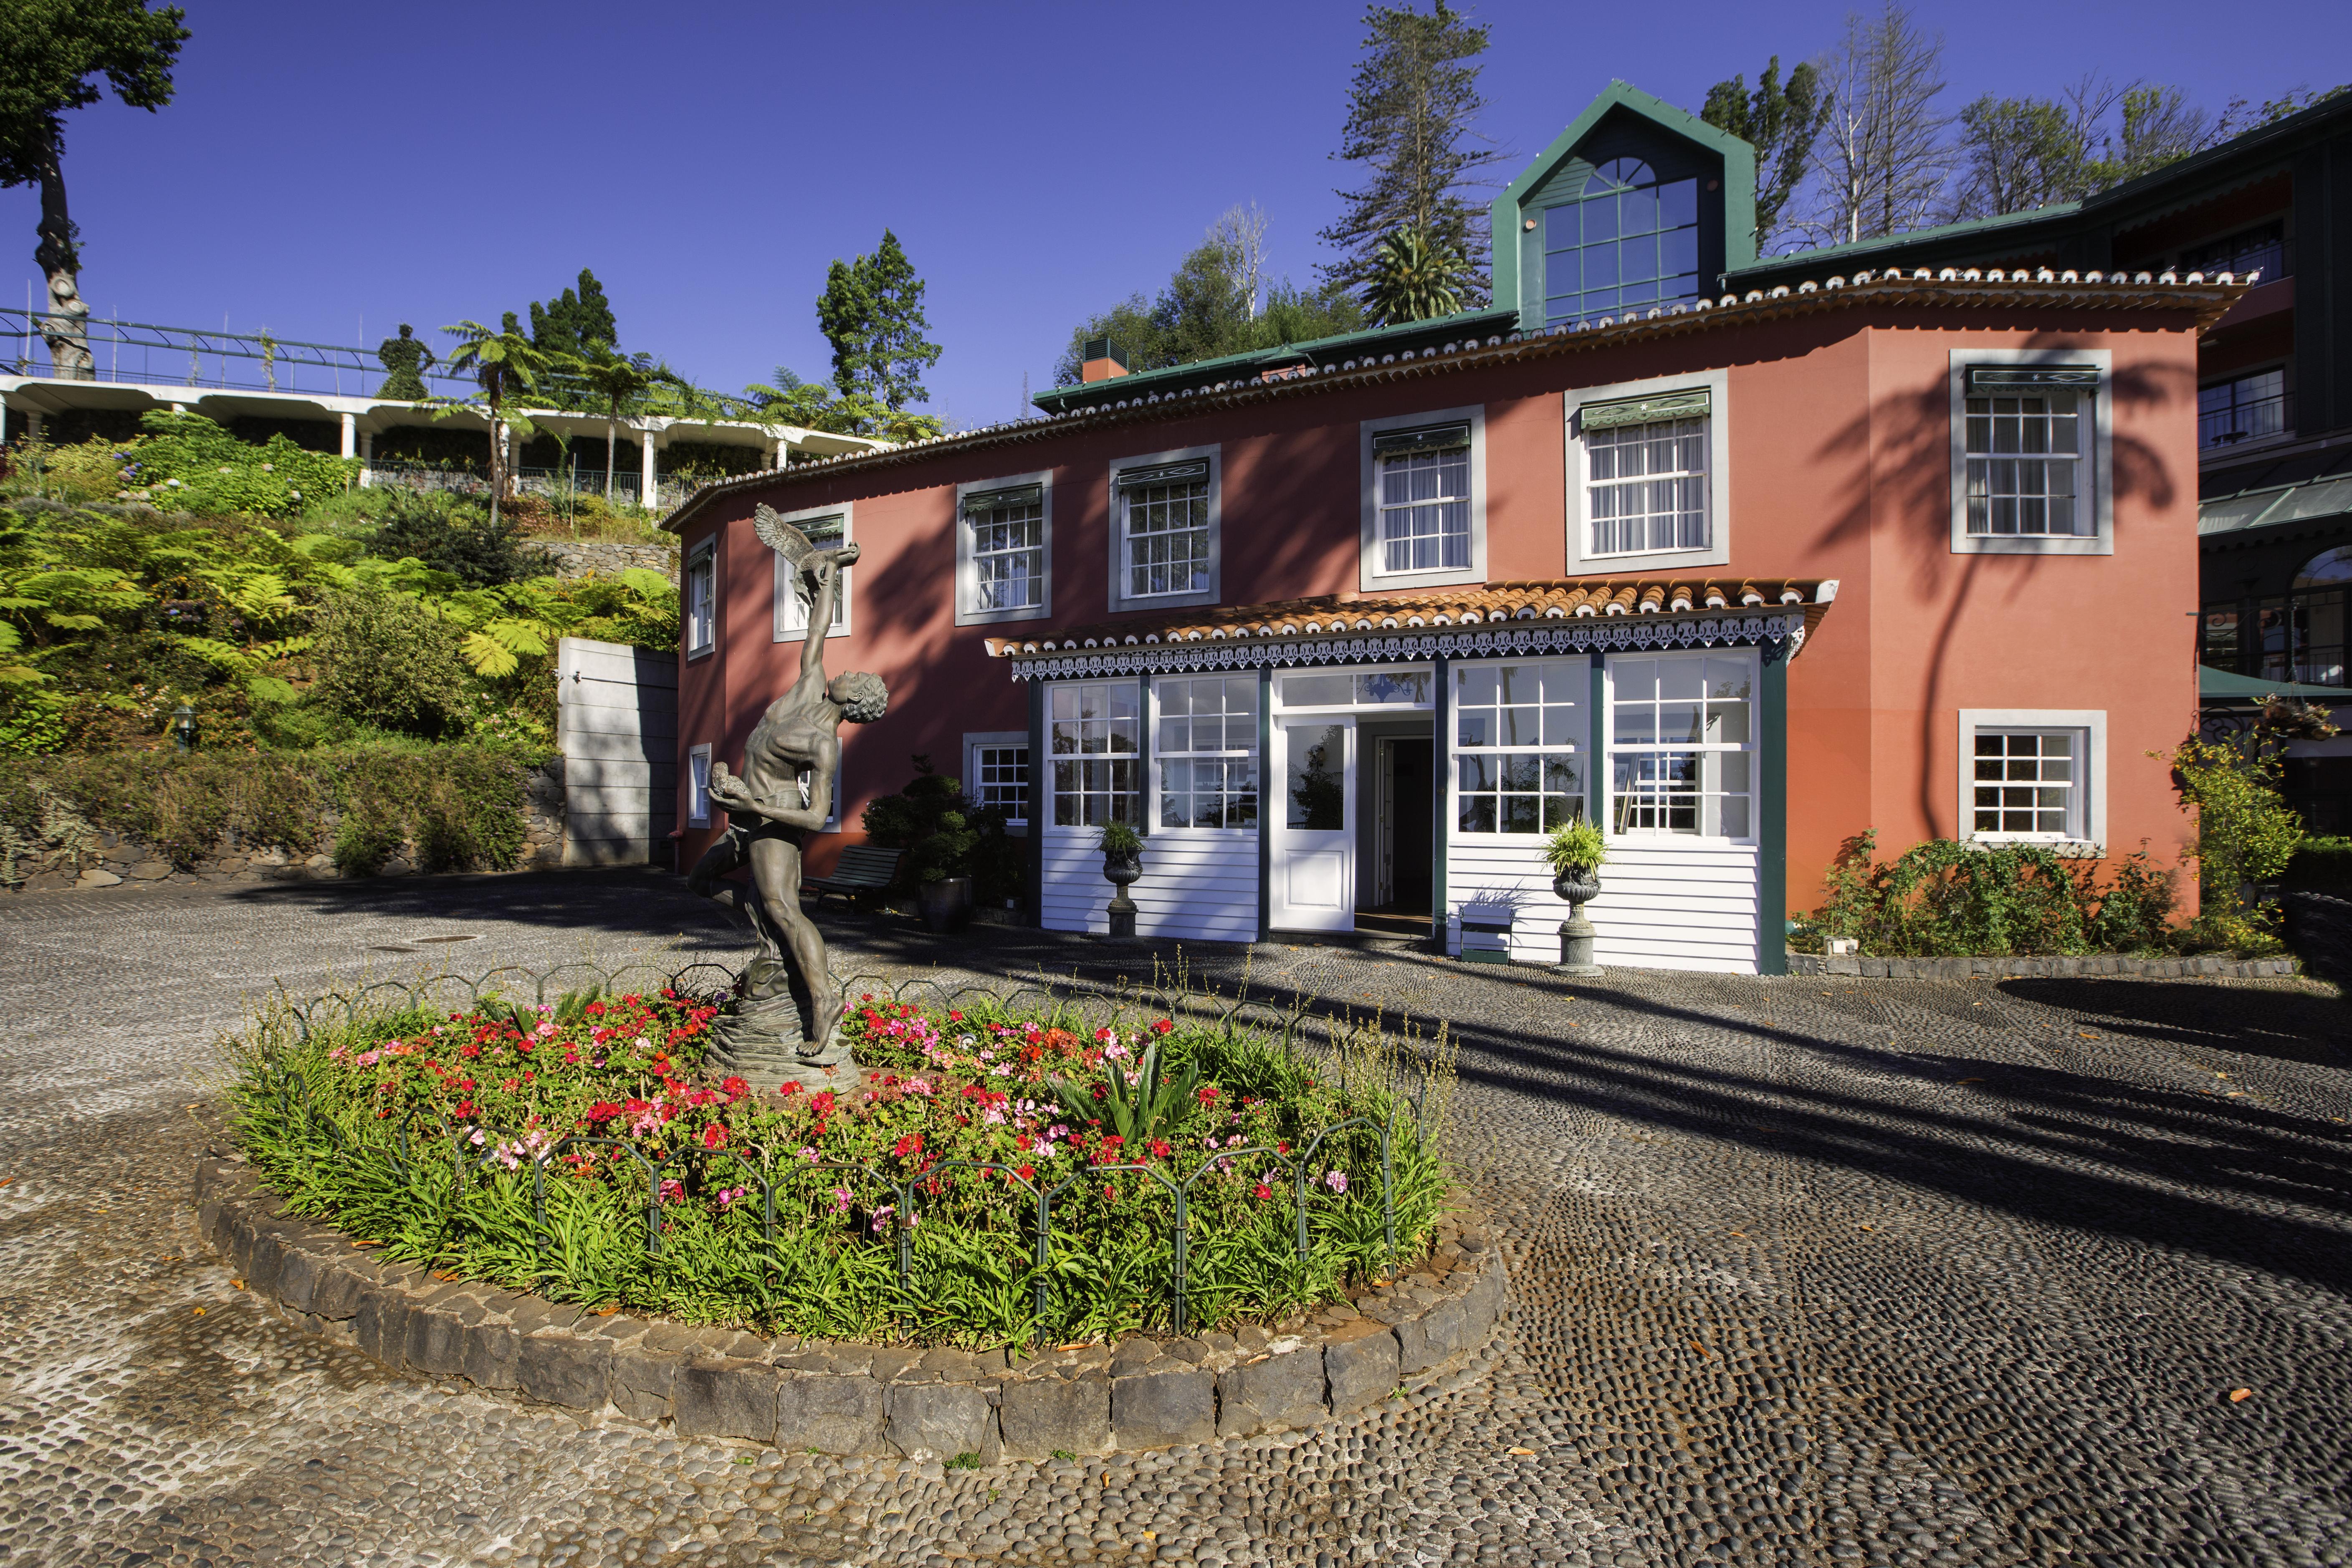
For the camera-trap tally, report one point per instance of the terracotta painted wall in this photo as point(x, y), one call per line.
point(1840, 442)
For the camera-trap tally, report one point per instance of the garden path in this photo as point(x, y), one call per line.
point(1808, 1272)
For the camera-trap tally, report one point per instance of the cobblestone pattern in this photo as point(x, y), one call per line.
point(120, 860)
point(847, 1398)
point(1803, 1271)
point(2209, 966)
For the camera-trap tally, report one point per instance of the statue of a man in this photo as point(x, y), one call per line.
point(785, 792)
point(405, 361)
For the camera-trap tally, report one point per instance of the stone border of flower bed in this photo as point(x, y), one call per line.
point(2211, 966)
point(842, 1398)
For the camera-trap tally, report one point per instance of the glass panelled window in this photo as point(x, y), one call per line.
point(1094, 727)
point(1681, 746)
point(1008, 548)
point(701, 600)
point(1360, 688)
point(2302, 637)
point(2028, 784)
point(1000, 780)
point(792, 589)
point(1315, 782)
point(2026, 432)
point(1647, 480)
point(2244, 408)
point(1630, 242)
point(1520, 744)
point(1424, 499)
point(1164, 528)
point(2218, 646)
point(2261, 251)
point(1207, 751)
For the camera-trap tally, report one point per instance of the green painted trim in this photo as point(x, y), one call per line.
point(1695, 405)
point(1739, 179)
point(1772, 821)
point(1034, 868)
point(1596, 726)
point(1264, 801)
point(1440, 752)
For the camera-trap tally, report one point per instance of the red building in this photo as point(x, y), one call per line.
point(1344, 627)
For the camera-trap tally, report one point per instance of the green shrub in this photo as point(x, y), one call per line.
point(2245, 832)
point(386, 658)
point(187, 461)
point(473, 549)
point(946, 835)
point(1942, 898)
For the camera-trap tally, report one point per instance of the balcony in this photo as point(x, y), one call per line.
point(2256, 419)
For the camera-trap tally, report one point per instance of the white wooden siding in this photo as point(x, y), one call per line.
point(1196, 886)
point(616, 725)
point(1663, 905)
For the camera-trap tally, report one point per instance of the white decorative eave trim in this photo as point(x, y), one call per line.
point(1779, 635)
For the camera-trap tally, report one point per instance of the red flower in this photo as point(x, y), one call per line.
point(469, 1051)
point(1111, 1141)
point(466, 1110)
point(954, 1017)
point(1263, 1192)
point(788, 1090)
point(603, 1110)
point(1160, 1149)
point(714, 1136)
point(1282, 1147)
point(910, 1145)
point(736, 1089)
point(1163, 1026)
point(1026, 1172)
point(1208, 1094)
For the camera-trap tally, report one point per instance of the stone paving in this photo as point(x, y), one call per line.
point(1808, 1271)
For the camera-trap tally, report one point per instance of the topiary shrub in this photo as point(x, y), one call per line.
point(946, 835)
point(471, 548)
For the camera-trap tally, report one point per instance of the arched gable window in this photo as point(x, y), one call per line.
point(1626, 244)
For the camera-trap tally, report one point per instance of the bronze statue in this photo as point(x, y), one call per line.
point(783, 1022)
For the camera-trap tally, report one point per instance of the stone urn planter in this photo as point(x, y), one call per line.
point(946, 903)
point(1577, 887)
point(1122, 869)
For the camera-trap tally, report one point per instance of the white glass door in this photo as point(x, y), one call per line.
point(1313, 866)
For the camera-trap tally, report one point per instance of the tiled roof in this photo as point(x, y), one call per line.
point(1970, 288)
point(1561, 598)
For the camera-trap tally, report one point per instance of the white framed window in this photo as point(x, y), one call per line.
point(996, 775)
point(1424, 499)
point(1093, 728)
point(702, 597)
point(1681, 744)
point(1649, 474)
point(2035, 776)
point(1405, 687)
point(1166, 527)
point(1005, 541)
point(828, 528)
point(697, 786)
point(1519, 743)
point(1205, 751)
point(2032, 444)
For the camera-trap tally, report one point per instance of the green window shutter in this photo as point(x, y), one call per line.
point(1695, 404)
point(2010, 378)
point(1435, 438)
point(993, 501)
point(1164, 474)
point(821, 529)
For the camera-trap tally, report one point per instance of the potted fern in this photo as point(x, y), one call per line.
point(1574, 851)
point(1122, 849)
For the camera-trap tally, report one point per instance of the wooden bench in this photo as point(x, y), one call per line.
point(863, 869)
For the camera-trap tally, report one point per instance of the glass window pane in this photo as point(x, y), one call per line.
point(1318, 787)
point(1317, 690)
point(1476, 726)
point(1476, 814)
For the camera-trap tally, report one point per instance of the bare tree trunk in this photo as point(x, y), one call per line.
point(66, 325)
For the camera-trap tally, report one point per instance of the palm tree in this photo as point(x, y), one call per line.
point(1413, 280)
point(616, 381)
point(505, 363)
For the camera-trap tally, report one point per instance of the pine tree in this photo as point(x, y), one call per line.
point(872, 313)
point(1412, 115)
point(575, 323)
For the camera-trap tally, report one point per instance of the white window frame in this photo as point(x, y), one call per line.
point(698, 785)
point(1045, 795)
point(784, 581)
point(1355, 703)
point(1368, 574)
point(1752, 748)
point(968, 613)
point(1120, 599)
point(2100, 465)
point(1160, 758)
point(1582, 557)
point(974, 743)
point(2090, 786)
point(1575, 669)
point(701, 555)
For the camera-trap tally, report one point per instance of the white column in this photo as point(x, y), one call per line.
point(646, 496)
point(32, 422)
point(351, 435)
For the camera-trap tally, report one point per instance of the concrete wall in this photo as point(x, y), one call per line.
point(616, 725)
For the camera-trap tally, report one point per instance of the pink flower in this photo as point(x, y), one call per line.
point(1337, 1180)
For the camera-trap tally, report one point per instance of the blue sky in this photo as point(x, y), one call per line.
point(330, 164)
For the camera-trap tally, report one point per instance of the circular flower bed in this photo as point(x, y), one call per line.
point(992, 1176)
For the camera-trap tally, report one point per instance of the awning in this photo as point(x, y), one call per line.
point(2221, 686)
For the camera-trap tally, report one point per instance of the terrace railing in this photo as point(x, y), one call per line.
point(201, 358)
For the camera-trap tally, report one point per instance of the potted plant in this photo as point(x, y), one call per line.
point(1574, 851)
point(1122, 849)
point(953, 845)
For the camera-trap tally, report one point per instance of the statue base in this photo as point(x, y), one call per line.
point(760, 1042)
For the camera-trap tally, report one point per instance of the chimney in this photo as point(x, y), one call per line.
point(1100, 361)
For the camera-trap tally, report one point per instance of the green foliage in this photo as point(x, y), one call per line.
point(1412, 127)
point(1577, 844)
point(1118, 839)
point(187, 462)
point(478, 552)
point(570, 322)
point(813, 406)
point(2245, 832)
point(1942, 898)
point(1413, 280)
point(2321, 865)
point(871, 314)
point(1140, 1109)
point(1204, 312)
point(385, 658)
point(946, 835)
point(1781, 122)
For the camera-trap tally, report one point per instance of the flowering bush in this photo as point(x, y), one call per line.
point(534, 1146)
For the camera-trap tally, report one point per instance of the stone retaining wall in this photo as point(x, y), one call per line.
point(605, 557)
point(2209, 966)
point(840, 1398)
point(120, 859)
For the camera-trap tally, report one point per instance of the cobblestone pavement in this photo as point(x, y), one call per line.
point(1808, 1272)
